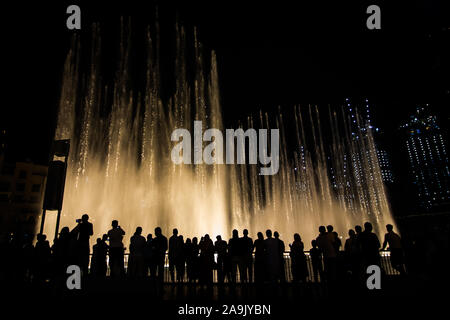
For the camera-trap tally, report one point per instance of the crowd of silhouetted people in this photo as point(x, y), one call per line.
point(240, 259)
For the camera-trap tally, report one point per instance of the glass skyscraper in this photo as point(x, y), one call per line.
point(428, 158)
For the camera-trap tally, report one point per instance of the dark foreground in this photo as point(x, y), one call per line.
point(145, 299)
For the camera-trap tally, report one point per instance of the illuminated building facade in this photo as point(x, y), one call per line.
point(384, 161)
point(22, 186)
point(360, 116)
point(428, 158)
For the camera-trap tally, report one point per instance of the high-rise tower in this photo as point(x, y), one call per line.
point(428, 158)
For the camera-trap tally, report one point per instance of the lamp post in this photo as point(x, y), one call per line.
point(54, 189)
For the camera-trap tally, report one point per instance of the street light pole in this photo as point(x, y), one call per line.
point(56, 178)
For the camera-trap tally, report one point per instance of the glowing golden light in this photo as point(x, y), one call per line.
point(120, 167)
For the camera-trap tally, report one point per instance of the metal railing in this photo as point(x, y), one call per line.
point(386, 266)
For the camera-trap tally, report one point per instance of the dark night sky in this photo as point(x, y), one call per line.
point(269, 54)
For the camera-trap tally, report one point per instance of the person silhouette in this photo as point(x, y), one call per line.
point(195, 259)
point(98, 260)
point(340, 264)
point(247, 258)
point(370, 245)
point(235, 251)
point(272, 250)
point(160, 242)
point(358, 230)
point(325, 243)
point(60, 251)
point(337, 244)
point(351, 251)
point(227, 266)
point(73, 255)
point(206, 260)
point(220, 247)
point(316, 261)
point(136, 262)
point(188, 249)
point(116, 250)
point(84, 230)
point(298, 260)
point(281, 248)
point(357, 256)
point(350, 243)
point(332, 238)
point(395, 247)
point(180, 259)
point(259, 258)
point(27, 257)
point(173, 252)
point(42, 259)
point(149, 256)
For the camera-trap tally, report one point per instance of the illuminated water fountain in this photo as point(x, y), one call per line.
point(120, 166)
